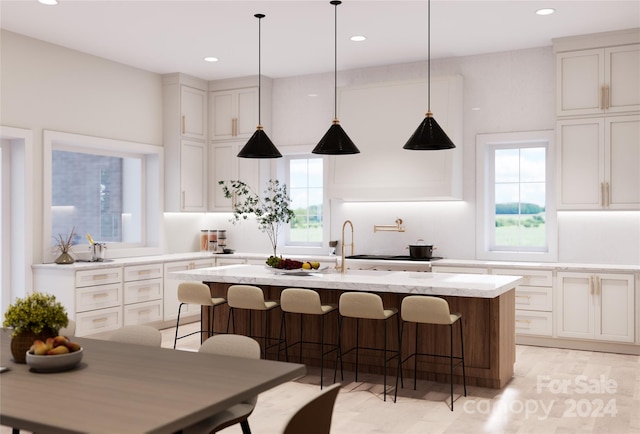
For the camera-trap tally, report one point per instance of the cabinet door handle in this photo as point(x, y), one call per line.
point(602, 194)
point(606, 97)
point(606, 187)
point(182, 199)
point(234, 127)
point(183, 124)
point(602, 98)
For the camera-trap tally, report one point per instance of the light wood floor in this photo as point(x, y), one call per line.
point(553, 391)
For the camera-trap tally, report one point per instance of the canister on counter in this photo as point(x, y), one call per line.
point(213, 240)
point(204, 240)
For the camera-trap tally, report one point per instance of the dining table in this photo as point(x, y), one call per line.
point(128, 388)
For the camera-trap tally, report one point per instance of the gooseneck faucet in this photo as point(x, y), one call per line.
point(343, 268)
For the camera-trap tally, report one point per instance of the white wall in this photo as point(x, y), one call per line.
point(45, 86)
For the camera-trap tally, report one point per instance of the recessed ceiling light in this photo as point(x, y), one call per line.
point(48, 2)
point(545, 11)
point(211, 59)
point(358, 38)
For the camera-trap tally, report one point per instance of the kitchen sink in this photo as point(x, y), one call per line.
point(391, 258)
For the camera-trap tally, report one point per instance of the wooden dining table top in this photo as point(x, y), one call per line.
point(126, 388)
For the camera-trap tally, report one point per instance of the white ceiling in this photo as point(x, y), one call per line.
point(298, 36)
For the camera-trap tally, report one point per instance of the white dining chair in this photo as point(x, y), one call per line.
point(138, 334)
point(235, 346)
point(69, 330)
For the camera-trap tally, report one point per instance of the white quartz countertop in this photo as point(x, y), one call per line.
point(459, 285)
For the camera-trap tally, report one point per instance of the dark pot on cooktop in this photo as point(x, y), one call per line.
point(420, 250)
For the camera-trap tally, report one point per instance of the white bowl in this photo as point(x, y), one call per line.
point(54, 363)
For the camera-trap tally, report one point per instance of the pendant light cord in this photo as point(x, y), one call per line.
point(429, 56)
point(259, 17)
point(335, 61)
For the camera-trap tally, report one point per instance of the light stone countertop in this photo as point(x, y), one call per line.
point(459, 285)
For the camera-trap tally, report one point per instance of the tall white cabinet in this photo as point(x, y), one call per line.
point(598, 121)
point(233, 118)
point(185, 143)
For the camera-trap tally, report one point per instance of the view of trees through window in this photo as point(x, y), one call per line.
point(520, 198)
point(305, 189)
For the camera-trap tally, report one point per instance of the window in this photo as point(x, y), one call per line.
point(515, 196)
point(305, 177)
point(106, 188)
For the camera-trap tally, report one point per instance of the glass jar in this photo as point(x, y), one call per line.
point(204, 240)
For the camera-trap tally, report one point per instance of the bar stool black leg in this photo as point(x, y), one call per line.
point(464, 373)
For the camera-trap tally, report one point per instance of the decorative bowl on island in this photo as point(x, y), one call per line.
point(54, 363)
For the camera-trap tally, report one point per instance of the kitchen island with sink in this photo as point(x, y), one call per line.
point(486, 302)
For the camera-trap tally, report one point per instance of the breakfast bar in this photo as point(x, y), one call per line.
point(486, 302)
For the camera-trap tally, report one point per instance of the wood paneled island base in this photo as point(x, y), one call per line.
point(488, 327)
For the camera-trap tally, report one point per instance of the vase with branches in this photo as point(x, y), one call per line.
point(64, 244)
point(271, 210)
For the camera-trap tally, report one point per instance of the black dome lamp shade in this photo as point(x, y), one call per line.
point(429, 136)
point(335, 141)
point(259, 145)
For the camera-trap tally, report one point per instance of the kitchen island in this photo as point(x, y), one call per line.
point(486, 302)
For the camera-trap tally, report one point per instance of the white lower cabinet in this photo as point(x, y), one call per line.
point(534, 301)
point(143, 293)
point(595, 306)
point(93, 298)
point(170, 298)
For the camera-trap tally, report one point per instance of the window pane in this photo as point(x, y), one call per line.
point(507, 165)
point(88, 193)
point(520, 198)
point(306, 191)
point(298, 177)
point(532, 164)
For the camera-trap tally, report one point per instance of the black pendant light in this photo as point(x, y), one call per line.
point(259, 145)
point(429, 136)
point(335, 141)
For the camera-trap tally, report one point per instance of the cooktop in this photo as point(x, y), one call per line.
point(392, 258)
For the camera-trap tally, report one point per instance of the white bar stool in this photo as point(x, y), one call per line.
point(251, 298)
point(306, 302)
point(200, 294)
point(365, 305)
point(422, 309)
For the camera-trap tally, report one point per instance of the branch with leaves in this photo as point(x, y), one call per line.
point(271, 210)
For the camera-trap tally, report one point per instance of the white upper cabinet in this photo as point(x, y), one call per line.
point(598, 81)
point(234, 113)
point(598, 163)
point(185, 143)
point(598, 74)
point(227, 166)
point(380, 118)
point(193, 105)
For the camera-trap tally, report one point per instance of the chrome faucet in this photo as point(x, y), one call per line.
point(343, 268)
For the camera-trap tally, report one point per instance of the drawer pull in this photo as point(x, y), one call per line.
point(523, 296)
point(99, 320)
point(144, 272)
point(100, 295)
point(100, 276)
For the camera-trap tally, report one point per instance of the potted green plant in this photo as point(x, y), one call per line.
point(37, 316)
point(271, 211)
